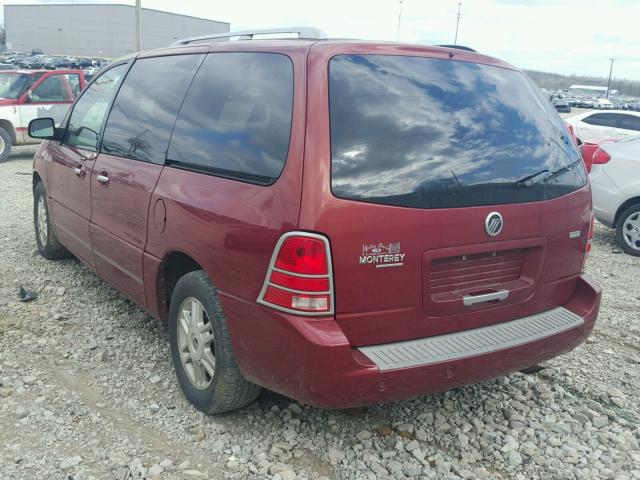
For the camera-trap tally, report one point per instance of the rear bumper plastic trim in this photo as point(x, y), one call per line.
point(454, 346)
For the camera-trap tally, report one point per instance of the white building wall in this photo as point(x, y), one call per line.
point(100, 30)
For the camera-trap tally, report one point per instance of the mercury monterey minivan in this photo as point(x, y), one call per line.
point(342, 222)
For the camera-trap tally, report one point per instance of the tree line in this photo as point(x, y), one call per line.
point(555, 81)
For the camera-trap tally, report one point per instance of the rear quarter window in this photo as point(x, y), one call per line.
point(236, 118)
point(434, 133)
point(602, 119)
point(629, 122)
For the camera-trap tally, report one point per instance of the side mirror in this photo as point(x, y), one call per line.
point(43, 128)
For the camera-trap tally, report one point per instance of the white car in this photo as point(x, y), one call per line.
point(612, 125)
point(615, 182)
point(603, 104)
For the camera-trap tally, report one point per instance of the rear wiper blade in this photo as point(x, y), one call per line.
point(523, 181)
point(561, 170)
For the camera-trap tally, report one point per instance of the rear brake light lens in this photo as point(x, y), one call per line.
point(300, 283)
point(303, 255)
point(299, 279)
point(600, 157)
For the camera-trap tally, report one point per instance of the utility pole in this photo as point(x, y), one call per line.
point(399, 19)
point(138, 25)
point(455, 40)
point(610, 70)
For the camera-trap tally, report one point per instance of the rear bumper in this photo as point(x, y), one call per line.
point(312, 361)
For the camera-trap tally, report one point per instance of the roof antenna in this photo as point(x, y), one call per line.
point(399, 19)
point(455, 40)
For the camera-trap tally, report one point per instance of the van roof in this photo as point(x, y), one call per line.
point(338, 46)
point(23, 71)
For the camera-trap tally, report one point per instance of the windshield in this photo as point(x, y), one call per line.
point(434, 133)
point(13, 85)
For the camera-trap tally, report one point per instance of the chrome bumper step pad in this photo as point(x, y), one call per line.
point(469, 343)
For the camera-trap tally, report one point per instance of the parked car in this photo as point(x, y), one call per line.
point(89, 73)
point(65, 62)
point(573, 101)
point(321, 218)
point(615, 124)
point(562, 106)
point(84, 63)
point(49, 63)
point(603, 104)
point(29, 63)
point(16, 58)
point(616, 190)
point(29, 94)
point(73, 62)
point(583, 103)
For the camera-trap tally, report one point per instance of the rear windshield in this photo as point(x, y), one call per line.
point(432, 133)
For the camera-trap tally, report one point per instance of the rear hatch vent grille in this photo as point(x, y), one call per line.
point(478, 270)
point(501, 275)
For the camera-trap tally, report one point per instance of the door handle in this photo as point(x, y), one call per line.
point(485, 297)
point(104, 179)
point(78, 170)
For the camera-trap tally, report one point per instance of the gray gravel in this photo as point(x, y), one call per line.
point(87, 391)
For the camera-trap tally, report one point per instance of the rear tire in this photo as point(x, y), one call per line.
point(5, 144)
point(48, 244)
point(628, 230)
point(201, 348)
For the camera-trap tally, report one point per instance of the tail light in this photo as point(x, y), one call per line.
point(589, 238)
point(600, 157)
point(587, 150)
point(299, 279)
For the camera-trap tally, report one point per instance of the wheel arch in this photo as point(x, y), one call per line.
point(623, 207)
point(8, 126)
point(35, 180)
point(173, 266)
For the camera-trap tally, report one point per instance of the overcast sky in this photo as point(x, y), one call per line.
point(563, 36)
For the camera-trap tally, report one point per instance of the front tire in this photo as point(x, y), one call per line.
point(201, 348)
point(5, 144)
point(628, 230)
point(48, 244)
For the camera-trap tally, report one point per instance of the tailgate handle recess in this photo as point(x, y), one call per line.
point(485, 297)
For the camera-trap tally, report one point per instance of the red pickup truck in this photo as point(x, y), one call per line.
point(29, 94)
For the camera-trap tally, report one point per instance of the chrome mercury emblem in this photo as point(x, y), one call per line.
point(493, 224)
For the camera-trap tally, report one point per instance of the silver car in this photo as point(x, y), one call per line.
point(615, 180)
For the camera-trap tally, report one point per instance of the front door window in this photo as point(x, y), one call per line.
point(89, 112)
point(51, 90)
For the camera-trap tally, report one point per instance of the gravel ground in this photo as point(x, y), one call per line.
point(87, 391)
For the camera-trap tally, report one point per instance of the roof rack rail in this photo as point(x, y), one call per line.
point(304, 33)
point(458, 47)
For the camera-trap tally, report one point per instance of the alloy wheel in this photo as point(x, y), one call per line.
point(42, 221)
point(196, 343)
point(631, 231)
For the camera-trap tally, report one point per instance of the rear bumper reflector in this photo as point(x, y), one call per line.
point(468, 343)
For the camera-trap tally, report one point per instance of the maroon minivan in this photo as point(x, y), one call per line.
point(343, 222)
